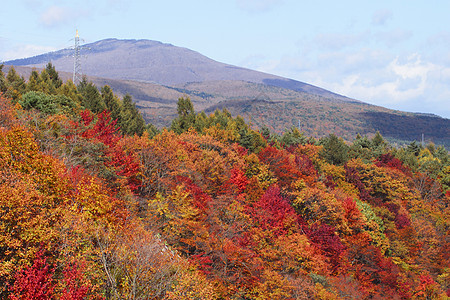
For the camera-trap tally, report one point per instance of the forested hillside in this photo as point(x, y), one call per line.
point(95, 204)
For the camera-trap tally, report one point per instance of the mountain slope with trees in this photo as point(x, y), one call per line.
point(208, 208)
point(155, 74)
point(278, 108)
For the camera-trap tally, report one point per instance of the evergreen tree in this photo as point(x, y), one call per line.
point(221, 118)
point(413, 148)
point(69, 90)
point(47, 104)
point(378, 140)
point(443, 155)
point(335, 151)
point(361, 148)
point(379, 145)
point(251, 140)
point(362, 142)
point(3, 86)
point(265, 132)
point(186, 116)
point(132, 121)
point(201, 121)
point(53, 76)
point(408, 158)
point(34, 82)
point(91, 98)
point(292, 136)
point(45, 83)
point(112, 103)
point(15, 85)
point(151, 130)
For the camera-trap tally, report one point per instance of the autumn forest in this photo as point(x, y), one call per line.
point(96, 204)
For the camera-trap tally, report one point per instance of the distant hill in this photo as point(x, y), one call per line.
point(157, 74)
point(156, 62)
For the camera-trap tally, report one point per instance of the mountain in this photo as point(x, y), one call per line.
point(157, 74)
point(156, 62)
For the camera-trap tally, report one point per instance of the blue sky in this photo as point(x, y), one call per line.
point(392, 53)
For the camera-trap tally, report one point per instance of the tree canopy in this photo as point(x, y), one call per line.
point(94, 204)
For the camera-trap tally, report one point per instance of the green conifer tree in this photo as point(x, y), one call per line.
point(186, 116)
point(3, 86)
point(293, 136)
point(335, 151)
point(34, 82)
point(15, 85)
point(91, 98)
point(53, 76)
point(112, 103)
point(132, 121)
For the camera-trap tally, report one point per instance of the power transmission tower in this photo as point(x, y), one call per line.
point(77, 75)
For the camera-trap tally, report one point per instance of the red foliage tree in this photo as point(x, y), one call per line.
point(377, 273)
point(34, 282)
point(75, 289)
point(352, 213)
point(325, 238)
point(38, 282)
point(307, 169)
point(101, 128)
point(104, 129)
point(388, 160)
point(352, 176)
point(273, 212)
point(201, 199)
point(239, 179)
point(281, 163)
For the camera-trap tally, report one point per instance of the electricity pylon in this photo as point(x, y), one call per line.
point(77, 75)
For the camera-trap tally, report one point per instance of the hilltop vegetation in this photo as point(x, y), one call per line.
point(94, 204)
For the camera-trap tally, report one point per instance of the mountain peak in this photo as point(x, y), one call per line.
point(156, 74)
point(153, 61)
point(114, 42)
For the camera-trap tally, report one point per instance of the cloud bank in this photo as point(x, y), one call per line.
point(346, 64)
point(24, 51)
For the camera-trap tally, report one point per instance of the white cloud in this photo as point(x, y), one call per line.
point(402, 81)
point(381, 17)
point(409, 83)
point(55, 15)
point(258, 5)
point(414, 84)
point(24, 51)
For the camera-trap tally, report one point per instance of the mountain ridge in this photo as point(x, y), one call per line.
point(162, 63)
point(157, 78)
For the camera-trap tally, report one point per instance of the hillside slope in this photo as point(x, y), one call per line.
point(157, 74)
point(277, 108)
point(152, 61)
